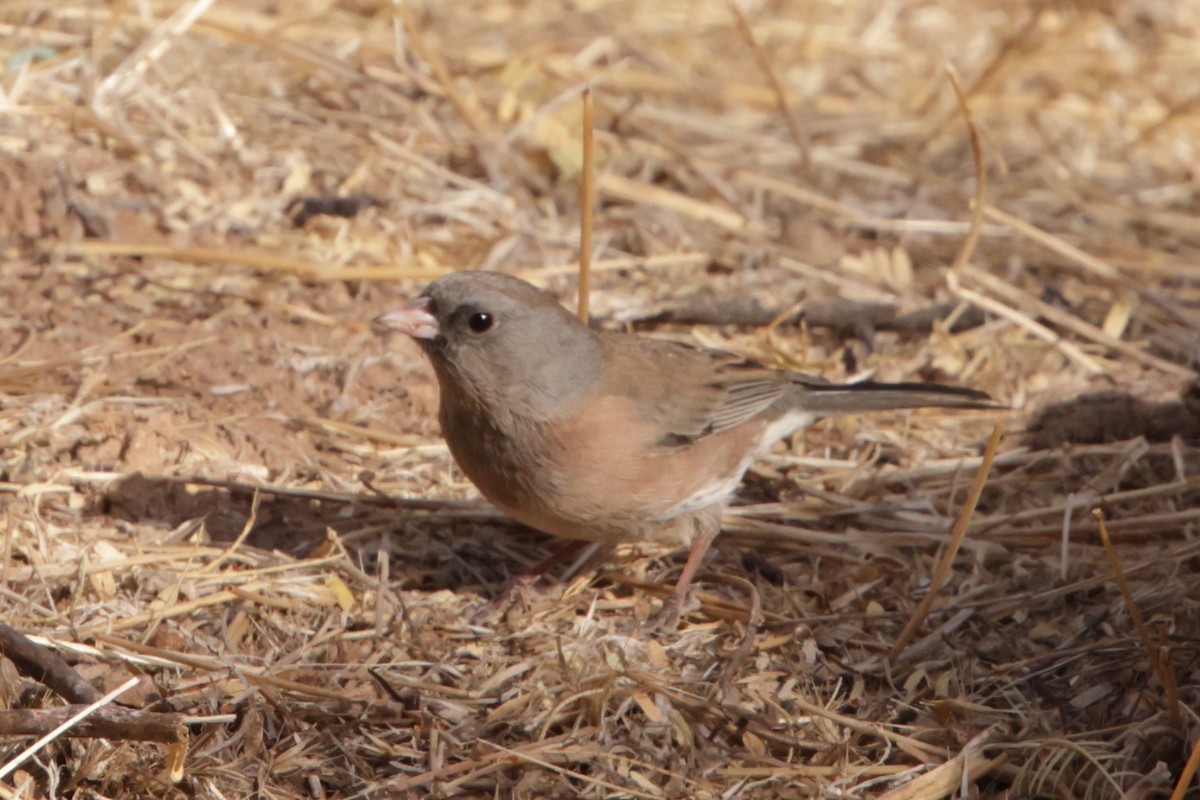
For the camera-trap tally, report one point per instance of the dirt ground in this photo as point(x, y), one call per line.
point(216, 478)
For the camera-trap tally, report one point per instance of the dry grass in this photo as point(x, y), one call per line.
point(170, 340)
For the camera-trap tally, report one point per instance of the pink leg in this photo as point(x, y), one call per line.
point(522, 583)
point(707, 528)
point(565, 553)
point(703, 541)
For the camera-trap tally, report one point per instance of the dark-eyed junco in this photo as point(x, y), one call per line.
point(607, 436)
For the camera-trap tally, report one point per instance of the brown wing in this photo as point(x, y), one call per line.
point(690, 392)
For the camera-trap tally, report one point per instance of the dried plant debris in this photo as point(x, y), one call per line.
point(225, 500)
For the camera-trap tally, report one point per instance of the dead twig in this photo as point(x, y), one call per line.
point(956, 537)
point(45, 666)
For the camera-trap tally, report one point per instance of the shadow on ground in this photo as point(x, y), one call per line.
point(463, 551)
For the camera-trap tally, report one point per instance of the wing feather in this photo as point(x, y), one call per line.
point(713, 391)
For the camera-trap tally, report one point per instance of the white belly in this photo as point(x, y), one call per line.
point(718, 491)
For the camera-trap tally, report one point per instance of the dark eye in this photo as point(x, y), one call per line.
point(481, 322)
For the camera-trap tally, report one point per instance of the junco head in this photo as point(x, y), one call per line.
point(501, 343)
point(606, 436)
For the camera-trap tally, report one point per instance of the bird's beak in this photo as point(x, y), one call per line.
point(412, 319)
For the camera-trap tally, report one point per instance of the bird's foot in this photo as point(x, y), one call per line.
point(521, 592)
point(667, 618)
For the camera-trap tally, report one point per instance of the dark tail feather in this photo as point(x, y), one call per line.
point(835, 398)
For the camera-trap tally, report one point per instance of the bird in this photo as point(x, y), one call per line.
point(606, 436)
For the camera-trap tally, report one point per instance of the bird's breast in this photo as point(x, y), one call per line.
point(603, 473)
point(505, 457)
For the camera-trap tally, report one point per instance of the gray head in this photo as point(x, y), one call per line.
point(497, 341)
